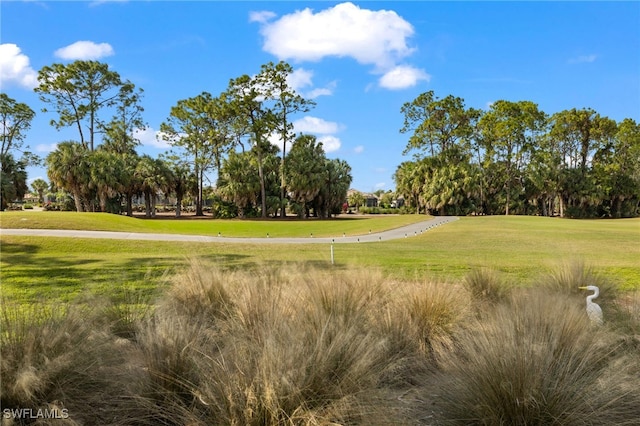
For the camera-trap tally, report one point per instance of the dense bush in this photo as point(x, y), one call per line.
point(378, 210)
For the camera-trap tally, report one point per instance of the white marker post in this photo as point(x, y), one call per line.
point(332, 260)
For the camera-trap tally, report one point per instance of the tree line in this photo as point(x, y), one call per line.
point(230, 133)
point(516, 159)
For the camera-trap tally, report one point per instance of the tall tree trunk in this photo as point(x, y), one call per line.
point(129, 205)
point(78, 201)
point(199, 192)
point(506, 210)
point(103, 201)
point(283, 212)
point(263, 192)
point(147, 203)
point(178, 205)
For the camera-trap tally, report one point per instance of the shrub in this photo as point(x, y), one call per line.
point(436, 312)
point(378, 210)
point(485, 285)
point(55, 358)
point(567, 278)
point(538, 360)
point(124, 312)
point(267, 348)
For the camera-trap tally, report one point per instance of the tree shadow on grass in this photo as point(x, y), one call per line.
point(9, 250)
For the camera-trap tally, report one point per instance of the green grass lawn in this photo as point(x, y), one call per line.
point(348, 224)
point(521, 248)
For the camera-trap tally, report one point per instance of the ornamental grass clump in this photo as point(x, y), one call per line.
point(537, 360)
point(486, 285)
point(436, 311)
point(280, 347)
point(61, 359)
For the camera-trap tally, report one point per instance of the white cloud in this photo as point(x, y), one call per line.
point(403, 76)
point(315, 125)
point(84, 50)
point(261, 16)
point(330, 143)
point(345, 30)
point(380, 185)
point(15, 67)
point(275, 139)
point(583, 59)
point(358, 149)
point(150, 137)
point(322, 91)
point(299, 79)
point(46, 148)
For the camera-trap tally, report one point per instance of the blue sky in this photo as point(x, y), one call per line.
point(359, 61)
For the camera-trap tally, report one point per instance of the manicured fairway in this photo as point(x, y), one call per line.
point(347, 224)
point(522, 248)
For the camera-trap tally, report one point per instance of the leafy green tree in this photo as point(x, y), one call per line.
point(119, 132)
point(77, 92)
point(617, 169)
point(356, 198)
point(40, 186)
point(580, 134)
point(69, 168)
point(410, 178)
point(273, 80)
point(386, 199)
point(153, 177)
point(201, 126)
point(255, 121)
point(305, 172)
point(13, 180)
point(181, 180)
point(449, 187)
point(333, 191)
point(15, 120)
point(438, 124)
point(238, 181)
point(107, 178)
point(510, 133)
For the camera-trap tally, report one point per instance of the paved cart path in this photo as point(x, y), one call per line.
point(392, 234)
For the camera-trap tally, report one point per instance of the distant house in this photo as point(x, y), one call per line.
point(31, 198)
point(371, 200)
point(399, 202)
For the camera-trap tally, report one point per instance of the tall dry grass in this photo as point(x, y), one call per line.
point(60, 358)
point(280, 348)
point(486, 286)
point(296, 345)
point(537, 360)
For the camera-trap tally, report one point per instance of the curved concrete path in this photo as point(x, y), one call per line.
point(392, 234)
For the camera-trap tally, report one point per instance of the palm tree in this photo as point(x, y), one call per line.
point(181, 180)
point(106, 176)
point(13, 180)
point(69, 168)
point(356, 199)
point(306, 165)
point(336, 180)
point(238, 181)
point(153, 176)
point(40, 186)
